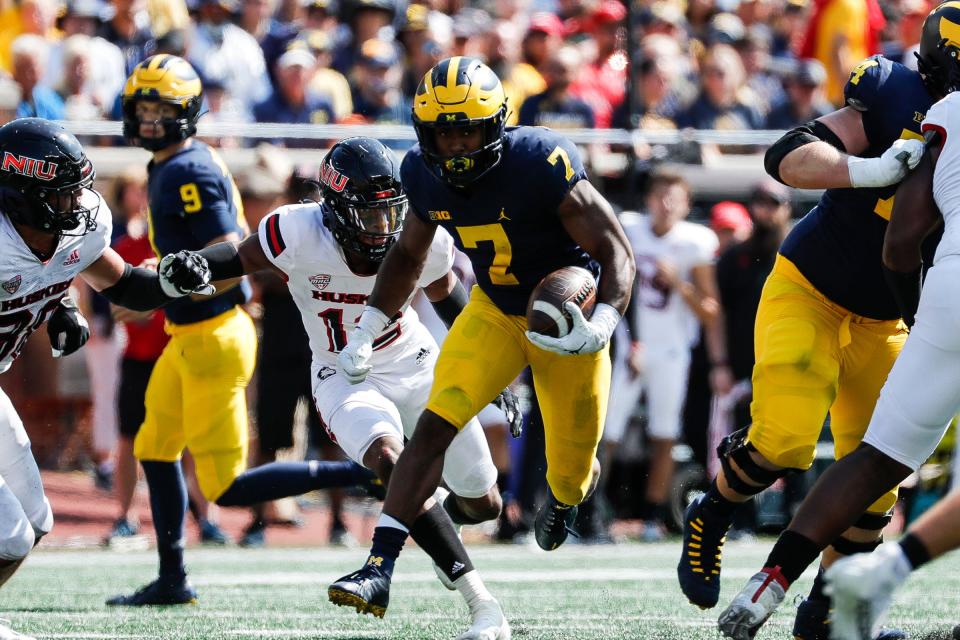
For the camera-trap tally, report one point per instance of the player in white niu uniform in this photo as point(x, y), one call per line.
point(675, 291)
point(330, 252)
point(53, 227)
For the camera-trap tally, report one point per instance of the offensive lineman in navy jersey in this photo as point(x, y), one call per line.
point(517, 203)
point(827, 333)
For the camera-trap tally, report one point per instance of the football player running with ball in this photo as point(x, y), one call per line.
point(517, 202)
point(330, 253)
point(53, 227)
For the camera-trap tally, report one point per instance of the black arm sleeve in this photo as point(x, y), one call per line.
point(794, 139)
point(223, 260)
point(906, 291)
point(450, 307)
point(137, 289)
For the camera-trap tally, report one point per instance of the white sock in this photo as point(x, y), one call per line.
point(472, 589)
point(393, 523)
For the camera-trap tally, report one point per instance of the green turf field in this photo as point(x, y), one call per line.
point(577, 592)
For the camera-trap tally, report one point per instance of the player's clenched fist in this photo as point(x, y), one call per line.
point(67, 328)
point(183, 273)
point(354, 360)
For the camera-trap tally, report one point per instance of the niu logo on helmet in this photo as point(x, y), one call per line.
point(333, 178)
point(30, 167)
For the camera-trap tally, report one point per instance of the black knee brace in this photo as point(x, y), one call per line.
point(735, 447)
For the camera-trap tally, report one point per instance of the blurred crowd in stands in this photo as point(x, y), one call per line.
point(706, 64)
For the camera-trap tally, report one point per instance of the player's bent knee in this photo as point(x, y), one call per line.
point(42, 522)
point(18, 543)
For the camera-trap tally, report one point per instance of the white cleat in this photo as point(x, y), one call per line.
point(755, 603)
point(6, 633)
point(489, 623)
point(861, 588)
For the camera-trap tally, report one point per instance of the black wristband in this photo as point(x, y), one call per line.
point(915, 551)
point(450, 307)
point(137, 289)
point(223, 260)
point(905, 288)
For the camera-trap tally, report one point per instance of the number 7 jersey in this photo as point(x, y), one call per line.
point(329, 295)
point(507, 222)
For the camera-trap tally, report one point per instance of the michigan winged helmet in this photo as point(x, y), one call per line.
point(168, 79)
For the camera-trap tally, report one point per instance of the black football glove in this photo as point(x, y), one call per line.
point(67, 328)
point(183, 273)
point(508, 403)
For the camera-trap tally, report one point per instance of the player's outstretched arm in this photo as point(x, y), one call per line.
point(132, 287)
point(589, 219)
point(231, 259)
point(401, 268)
point(914, 216)
point(822, 154)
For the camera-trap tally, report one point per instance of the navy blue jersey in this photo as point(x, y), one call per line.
point(507, 221)
point(193, 200)
point(838, 245)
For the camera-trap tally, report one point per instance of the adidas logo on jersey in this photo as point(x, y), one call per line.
point(422, 355)
point(11, 285)
point(73, 259)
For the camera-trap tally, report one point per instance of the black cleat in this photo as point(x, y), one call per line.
point(159, 592)
point(813, 623)
point(366, 590)
point(699, 569)
point(553, 523)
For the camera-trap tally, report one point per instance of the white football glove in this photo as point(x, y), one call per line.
point(353, 360)
point(889, 168)
point(183, 273)
point(586, 336)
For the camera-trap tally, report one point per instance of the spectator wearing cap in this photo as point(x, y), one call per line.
point(291, 102)
point(326, 82)
point(420, 50)
point(107, 73)
point(602, 82)
point(742, 271)
point(557, 107)
point(367, 20)
point(36, 17)
point(666, 18)
point(520, 80)
point(377, 97)
point(731, 222)
point(721, 103)
point(804, 99)
point(543, 38)
point(698, 16)
point(30, 54)
point(131, 30)
point(219, 48)
point(841, 33)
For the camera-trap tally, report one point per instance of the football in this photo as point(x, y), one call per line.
point(545, 314)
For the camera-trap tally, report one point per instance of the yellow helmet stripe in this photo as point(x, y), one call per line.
point(950, 31)
point(953, 4)
point(158, 61)
point(452, 68)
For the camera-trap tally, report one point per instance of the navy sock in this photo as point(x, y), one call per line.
point(283, 479)
point(433, 530)
point(168, 504)
point(387, 543)
point(714, 501)
point(793, 553)
point(816, 591)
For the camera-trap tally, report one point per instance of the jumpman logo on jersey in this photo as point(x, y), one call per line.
point(503, 216)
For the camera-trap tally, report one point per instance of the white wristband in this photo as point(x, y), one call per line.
point(373, 321)
point(861, 171)
point(605, 318)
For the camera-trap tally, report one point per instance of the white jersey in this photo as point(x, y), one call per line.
point(329, 295)
point(30, 289)
point(665, 321)
point(943, 117)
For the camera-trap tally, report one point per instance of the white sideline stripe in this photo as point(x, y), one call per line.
point(563, 328)
point(490, 575)
point(95, 636)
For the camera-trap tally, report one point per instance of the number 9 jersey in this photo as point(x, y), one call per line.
point(506, 221)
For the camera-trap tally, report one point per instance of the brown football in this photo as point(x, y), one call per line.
point(545, 312)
